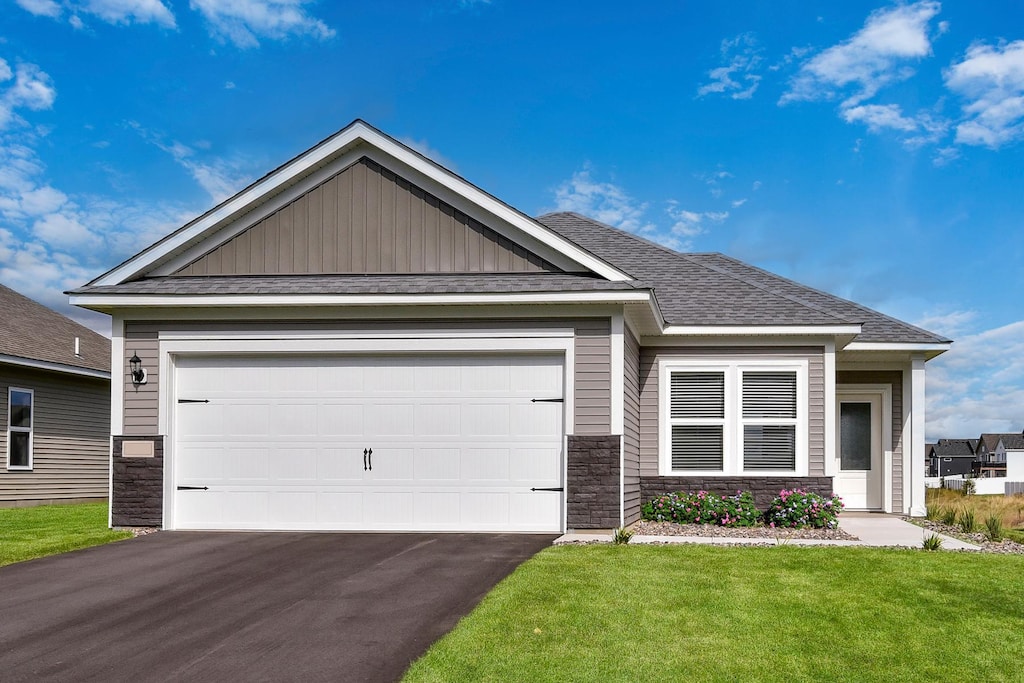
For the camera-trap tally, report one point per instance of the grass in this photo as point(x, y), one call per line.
point(27, 533)
point(1008, 509)
point(643, 613)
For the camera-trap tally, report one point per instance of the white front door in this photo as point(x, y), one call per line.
point(398, 443)
point(859, 451)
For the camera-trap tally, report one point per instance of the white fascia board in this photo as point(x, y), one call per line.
point(120, 301)
point(53, 367)
point(320, 155)
point(936, 348)
point(758, 331)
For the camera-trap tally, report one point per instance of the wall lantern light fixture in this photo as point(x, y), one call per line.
point(138, 372)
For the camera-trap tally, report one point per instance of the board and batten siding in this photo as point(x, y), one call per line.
point(650, 414)
point(631, 429)
point(894, 378)
point(70, 438)
point(366, 220)
point(592, 349)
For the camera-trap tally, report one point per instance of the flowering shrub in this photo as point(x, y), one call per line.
point(703, 508)
point(798, 509)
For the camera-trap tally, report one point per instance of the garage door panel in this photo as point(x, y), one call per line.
point(456, 443)
point(340, 419)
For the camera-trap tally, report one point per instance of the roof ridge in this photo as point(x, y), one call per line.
point(856, 305)
point(721, 271)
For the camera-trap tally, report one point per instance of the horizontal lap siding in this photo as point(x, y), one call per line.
point(71, 438)
point(649, 415)
point(363, 220)
point(592, 350)
point(894, 378)
point(631, 429)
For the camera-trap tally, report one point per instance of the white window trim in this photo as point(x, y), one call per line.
point(30, 429)
point(732, 433)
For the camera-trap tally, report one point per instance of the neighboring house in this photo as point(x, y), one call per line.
point(1012, 450)
point(953, 457)
point(54, 406)
point(929, 453)
point(364, 340)
point(1002, 455)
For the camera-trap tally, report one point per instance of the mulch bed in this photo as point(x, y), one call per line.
point(646, 528)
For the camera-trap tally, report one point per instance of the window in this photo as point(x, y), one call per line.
point(734, 417)
point(19, 429)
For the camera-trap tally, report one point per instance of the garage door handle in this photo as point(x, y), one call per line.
point(370, 456)
point(551, 488)
point(193, 488)
point(364, 460)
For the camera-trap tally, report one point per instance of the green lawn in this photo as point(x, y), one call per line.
point(26, 533)
point(698, 613)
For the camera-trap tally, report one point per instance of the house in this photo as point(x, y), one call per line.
point(929, 453)
point(362, 339)
point(1011, 448)
point(952, 457)
point(1000, 455)
point(54, 406)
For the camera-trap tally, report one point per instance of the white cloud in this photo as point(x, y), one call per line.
point(872, 58)
point(978, 386)
point(920, 129)
point(64, 232)
point(686, 225)
point(130, 12)
point(737, 77)
point(32, 89)
point(603, 201)
point(945, 155)
point(991, 81)
point(424, 148)
point(736, 203)
point(40, 8)
point(220, 178)
point(244, 22)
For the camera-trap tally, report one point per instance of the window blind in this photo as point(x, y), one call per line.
point(698, 395)
point(769, 395)
point(697, 447)
point(769, 447)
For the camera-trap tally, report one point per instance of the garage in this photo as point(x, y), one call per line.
point(433, 442)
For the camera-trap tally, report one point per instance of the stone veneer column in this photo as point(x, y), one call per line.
point(592, 486)
point(138, 484)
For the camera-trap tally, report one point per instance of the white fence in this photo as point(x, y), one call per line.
point(986, 486)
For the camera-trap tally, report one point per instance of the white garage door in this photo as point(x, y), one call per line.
point(399, 443)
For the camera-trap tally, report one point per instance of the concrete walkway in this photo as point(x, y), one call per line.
point(870, 529)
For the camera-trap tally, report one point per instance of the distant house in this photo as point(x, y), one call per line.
point(952, 456)
point(1007, 453)
point(990, 459)
point(54, 406)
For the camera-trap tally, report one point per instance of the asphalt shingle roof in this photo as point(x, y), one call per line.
point(363, 284)
point(32, 331)
point(713, 289)
point(1012, 441)
point(953, 448)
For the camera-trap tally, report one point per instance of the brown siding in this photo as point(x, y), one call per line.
point(363, 220)
point(71, 438)
point(593, 377)
point(649, 415)
point(592, 388)
point(631, 429)
point(894, 378)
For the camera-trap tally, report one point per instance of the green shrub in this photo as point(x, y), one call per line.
point(966, 521)
point(969, 487)
point(932, 542)
point(949, 516)
point(800, 509)
point(703, 508)
point(994, 529)
point(622, 536)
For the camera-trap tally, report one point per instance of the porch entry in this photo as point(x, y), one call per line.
point(861, 462)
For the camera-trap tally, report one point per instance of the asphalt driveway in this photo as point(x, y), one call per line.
point(246, 606)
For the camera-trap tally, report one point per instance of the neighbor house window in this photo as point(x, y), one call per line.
point(19, 428)
point(734, 418)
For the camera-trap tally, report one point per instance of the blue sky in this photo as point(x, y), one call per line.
point(873, 150)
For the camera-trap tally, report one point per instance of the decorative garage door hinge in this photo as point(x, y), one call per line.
point(547, 400)
point(550, 488)
point(193, 400)
point(193, 488)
